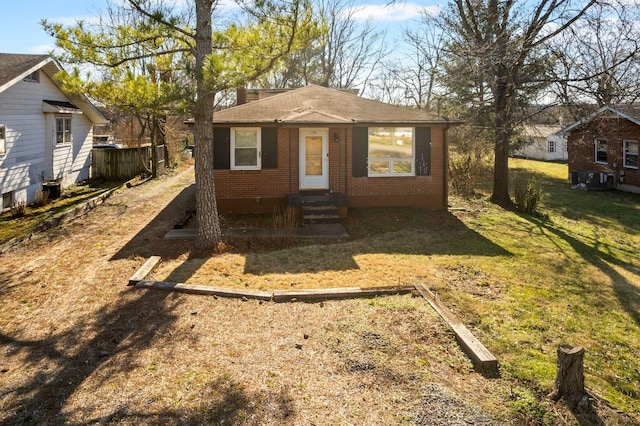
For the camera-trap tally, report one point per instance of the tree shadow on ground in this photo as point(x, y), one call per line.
point(63, 361)
point(150, 240)
point(627, 293)
point(434, 233)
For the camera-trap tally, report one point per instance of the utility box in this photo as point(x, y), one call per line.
point(592, 180)
point(52, 188)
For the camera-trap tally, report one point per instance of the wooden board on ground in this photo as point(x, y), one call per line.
point(205, 290)
point(337, 293)
point(145, 270)
point(482, 359)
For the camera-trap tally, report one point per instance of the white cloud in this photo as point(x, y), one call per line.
point(394, 12)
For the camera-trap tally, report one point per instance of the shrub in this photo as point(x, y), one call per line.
point(18, 209)
point(285, 223)
point(527, 195)
point(42, 198)
point(466, 173)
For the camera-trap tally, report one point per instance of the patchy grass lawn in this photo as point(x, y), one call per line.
point(523, 284)
point(12, 227)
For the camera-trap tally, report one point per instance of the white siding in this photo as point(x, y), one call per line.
point(538, 149)
point(32, 155)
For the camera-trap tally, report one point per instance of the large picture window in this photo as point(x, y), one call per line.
point(630, 149)
point(3, 140)
point(391, 151)
point(245, 148)
point(601, 155)
point(63, 130)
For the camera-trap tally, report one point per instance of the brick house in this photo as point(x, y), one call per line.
point(326, 143)
point(603, 149)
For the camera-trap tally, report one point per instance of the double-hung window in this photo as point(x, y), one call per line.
point(245, 148)
point(3, 140)
point(630, 151)
point(63, 130)
point(552, 146)
point(391, 151)
point(601, 155)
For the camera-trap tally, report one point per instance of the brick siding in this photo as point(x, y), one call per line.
point(261, 190)
point(581, 147)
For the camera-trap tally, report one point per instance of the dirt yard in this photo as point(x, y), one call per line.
point(80, 347)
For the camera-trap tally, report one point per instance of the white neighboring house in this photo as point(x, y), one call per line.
point(542, 142)
point(45, 135)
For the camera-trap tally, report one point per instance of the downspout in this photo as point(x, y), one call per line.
point(346, 163)
point(445, 164)
point(290, 154)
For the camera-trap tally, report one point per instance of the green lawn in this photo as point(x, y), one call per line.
point(12, 227)
point(571, 278)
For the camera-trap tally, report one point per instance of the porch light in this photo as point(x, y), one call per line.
point(336, 137)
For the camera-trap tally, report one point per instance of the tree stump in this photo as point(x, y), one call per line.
point(569, 384)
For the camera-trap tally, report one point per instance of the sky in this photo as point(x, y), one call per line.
point(21, 32)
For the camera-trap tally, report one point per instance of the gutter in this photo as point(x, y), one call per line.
point(445, 164)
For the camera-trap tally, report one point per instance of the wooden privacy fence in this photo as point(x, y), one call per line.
point(124, 163)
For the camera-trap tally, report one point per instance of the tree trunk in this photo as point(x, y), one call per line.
point(569, 383)
point(500, 193)
point(209, 233)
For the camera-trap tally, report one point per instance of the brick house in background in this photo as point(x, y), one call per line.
point(317, 142)
point(603, 149)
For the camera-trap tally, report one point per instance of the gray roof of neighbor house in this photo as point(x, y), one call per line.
point(628, 112)
point(319, 105)
point(15, 67)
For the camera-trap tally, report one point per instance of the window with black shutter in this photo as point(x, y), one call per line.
point(269, 148)
point(360, 152)
point(221, 148)
point(423, 151)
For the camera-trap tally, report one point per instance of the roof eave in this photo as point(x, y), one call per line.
point(338, 123)
point(22, 75)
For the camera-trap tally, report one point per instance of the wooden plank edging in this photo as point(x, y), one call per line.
point(480, 356)
point(316, 295)
point(205, 290)
point(144, 270)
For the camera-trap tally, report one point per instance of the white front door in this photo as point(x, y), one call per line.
point(314, 164)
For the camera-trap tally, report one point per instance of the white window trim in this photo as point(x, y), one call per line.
point(624, 153)
point(63, 143)
point(551, 146)
point(3, 140)
point(595, 151)
point(392, 159)
point(258, 165)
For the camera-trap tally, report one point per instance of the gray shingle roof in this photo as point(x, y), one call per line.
point(13, 65)
point(320, 105)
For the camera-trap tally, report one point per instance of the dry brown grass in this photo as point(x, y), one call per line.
point(79, 347)
point(306, 267)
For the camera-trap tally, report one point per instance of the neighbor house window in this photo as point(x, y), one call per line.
point(601, 151)
point(630, 154)
point(63, 130)
point(391, 151)
point(552, 146)
point(245, 148)
point(3, 141)
point(34, 77)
